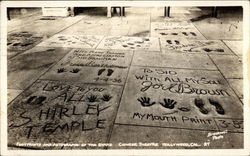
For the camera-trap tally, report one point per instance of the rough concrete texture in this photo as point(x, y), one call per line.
point(236, 46)
point(175, 30)
point(130, 43)
point(72, 41)
point(12, 94)
point(26, 68)
point(227, 29)
point(166, 138)
point(195, 46)
point(59, 112)
point(92, 66)
point(179, 98)
point(230, 66)
point(176, 60)
point(237, 85)
point(95, 80)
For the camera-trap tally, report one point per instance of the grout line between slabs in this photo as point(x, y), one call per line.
point(226, 80)
point(112, 127)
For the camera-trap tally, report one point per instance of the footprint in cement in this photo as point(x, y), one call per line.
point(199, 103)
point(26, 44)
point(51, 49)
point(177, 42)
point(62, 39)
point(174, 34)
point(110, 72)
point(194, 34)
point(184, 33)
point(16, 44)
point(139, 42)
point(34, 100)
point(163, 33)
point(130, 43)
point(219, 50)
point(207, 50)
point(100, 71)
point(218, 107)
point(169, 41)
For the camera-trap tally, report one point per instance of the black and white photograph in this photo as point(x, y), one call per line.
point(125, 77)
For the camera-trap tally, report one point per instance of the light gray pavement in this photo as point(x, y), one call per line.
point(138, 78)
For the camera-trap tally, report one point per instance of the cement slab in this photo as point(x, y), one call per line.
point(229, 65)
point(59, 112)
point(12, 94)
point(56, 25)
point(130, 43)
point(118, 32)
point(25, 68)
point(80, 31)
point(21, 41)
point(194, 46)
point(237, 85)
point(174, 60)
point(168, 138)
point(179, 98)
point(214, 29)
point(72, 41)
point(175, 30)
point(139, 31)
point(92, 66)
point(235, 46)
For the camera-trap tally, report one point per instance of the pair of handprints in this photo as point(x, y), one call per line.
point(167, 103)
point(94, 98)
point(61, 70)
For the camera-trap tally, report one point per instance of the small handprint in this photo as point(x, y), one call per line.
point(92, 98)
point(168, 103)
point(106, 97)
point(75, 70)
point(60, 70)
point(145, 102)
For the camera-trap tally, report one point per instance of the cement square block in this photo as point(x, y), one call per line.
point(72, 41)
point(237, 85)
point(118, 32)
point(174, 60)
point(235, 46)
point(59, 112)
point(25, 68)
point(169, 138)
point(41, 26)
point(226, 29)
point(92, 66)
point(175, 30)
point(194, 46)
point(179, 98)
point(21, 41)
point(229, 65)
point(139, 31)
point(130, 43)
